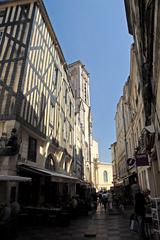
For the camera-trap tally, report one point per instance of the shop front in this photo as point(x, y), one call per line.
point(9, 187)
point(47, 187)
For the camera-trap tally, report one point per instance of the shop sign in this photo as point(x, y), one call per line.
point(142, 160)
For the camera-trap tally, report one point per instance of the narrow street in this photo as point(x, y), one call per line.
point(100, 226)
point(79, 119)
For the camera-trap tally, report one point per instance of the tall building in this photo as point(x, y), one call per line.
point(143, 18)
point(130, 130)
point(120, 139)
point(115, 168)
point(94, 161)
point(37, 104)
point(83, 125)
point(104, 176)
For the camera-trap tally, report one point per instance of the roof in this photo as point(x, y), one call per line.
point(9, 178)
point(78, 62)
point(128, 15)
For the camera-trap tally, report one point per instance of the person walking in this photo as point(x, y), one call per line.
point(140, 211)
point(105, 200)
point(110, 200)
point(5, 218)
point(15, 209)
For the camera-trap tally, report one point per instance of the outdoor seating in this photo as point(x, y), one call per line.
point(51, 219)
point(31, 215)
point(63, 218)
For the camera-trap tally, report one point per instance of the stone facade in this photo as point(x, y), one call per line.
point(131, 141)
point(115, 168)
point(141, 98)
point(80, 85)
point(94, 161)
point(104, 176)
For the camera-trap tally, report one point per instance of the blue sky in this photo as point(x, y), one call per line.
point(95, 32)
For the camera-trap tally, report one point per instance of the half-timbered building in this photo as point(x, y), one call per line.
point(36, 102)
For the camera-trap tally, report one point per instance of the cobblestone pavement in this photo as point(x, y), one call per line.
point(99, 226)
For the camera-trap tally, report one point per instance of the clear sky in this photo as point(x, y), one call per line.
point(95, 32)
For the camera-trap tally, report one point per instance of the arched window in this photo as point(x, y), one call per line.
point(105, 176)
point(50, 163)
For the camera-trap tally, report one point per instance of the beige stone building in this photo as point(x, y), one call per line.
point(102, 173)
point(140, 102)
point(83, 132)
point(121, 146)
point(104, 176)
point(94, 161)
point(115, 168)
point(147, 58)
point(129, 131)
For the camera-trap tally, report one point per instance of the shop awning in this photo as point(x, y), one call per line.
point(9, 178)
point(55, 176)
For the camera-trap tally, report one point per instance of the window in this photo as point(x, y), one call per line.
point(70, 109)
point(105, 176)
point(13, 194)
point(70, 136)
point(32, 149)
point(65, 166)
point(64, 129)
point(52, 109)
point(50, 163)
point(2, 15)
point(1, 35)
point(2, 12)
point(85, 91)
point(66, 96)
point(56, 77)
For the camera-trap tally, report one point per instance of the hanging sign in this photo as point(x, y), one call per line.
point(142, 160)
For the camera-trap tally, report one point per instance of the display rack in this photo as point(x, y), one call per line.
point(155, 207)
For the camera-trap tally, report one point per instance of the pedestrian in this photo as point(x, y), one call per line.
point(15, 209)
point(5, 221)
point(100, 197)
point(140, 211)
point(110, 200)
point(134, 189)
point(74, 206)
point(105, 199)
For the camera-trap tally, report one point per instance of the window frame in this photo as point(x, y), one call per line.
point(32, 155)
point(105, 176)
